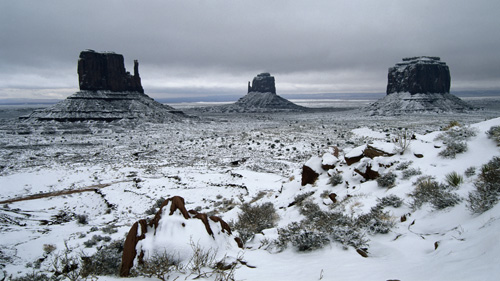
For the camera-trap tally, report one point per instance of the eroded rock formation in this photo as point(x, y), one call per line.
point(107, 93)
point(171, 225)
point(106, 72)
point(262, 83)
point(419, 75)
point(418, 85)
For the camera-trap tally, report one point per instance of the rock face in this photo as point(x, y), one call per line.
point(261, 97)
point(106, 72)
point(262, 83)
point(107, 93)
point(418, 85)
point(419, 75)
point(172, 231)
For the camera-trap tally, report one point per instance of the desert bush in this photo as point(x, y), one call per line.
point(387, 180)
point(487, 191)
point(403, 140)
point(320, 228)
point(469, 172)
point(201, 258)
point(452, 149)
point(254, 219)
point(109, 229)
point(95, 240)
point(408, 173)
point(457, 134)
point(155, 206)
point(35, 275)
point(159, 266)
point(454, 179)
point(390, 200)
point(335, 179)
point(428, 190)
point(494, 134)
point(49, 248)
point(106, 261)
point(81, 219)
point(403, 165)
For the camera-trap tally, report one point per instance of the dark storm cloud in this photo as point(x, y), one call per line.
point(309, 46)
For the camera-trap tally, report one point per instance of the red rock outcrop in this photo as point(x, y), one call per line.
point(138, 230)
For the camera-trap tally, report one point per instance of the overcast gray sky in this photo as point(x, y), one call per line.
point(213, 47)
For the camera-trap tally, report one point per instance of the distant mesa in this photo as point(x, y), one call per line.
point(106, 72)
point(418, 85)
point(107, 93)
point(261, 97)
point(419, 75)
point(262, 83)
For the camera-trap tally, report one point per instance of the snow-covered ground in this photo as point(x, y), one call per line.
point(218, 162)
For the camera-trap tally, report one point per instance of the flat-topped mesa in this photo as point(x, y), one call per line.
point(106, 72)
point(262, 83)
point(419, 75)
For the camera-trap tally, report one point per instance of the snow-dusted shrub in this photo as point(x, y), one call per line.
point(403, 140)
point(335, 179)
point(494, 134)
point(452, 149)
point(403, 165)
point(159, 266)
point(408, 173)
point(96, 239)
point(302, 236)
point(320, 228)
point(376, 221)
point(454, 179)
point(428, 190)
point(390, 201)
point(155, 207)
point(487, 191)
point(387, 180)
point(469, 172)
point(109, 229)
point(299, 199)
point(254, 219)
point(457, 134)
point(106, 261)
point(35, 275)
point(82, 219)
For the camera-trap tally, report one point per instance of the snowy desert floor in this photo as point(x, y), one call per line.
point(219, 162)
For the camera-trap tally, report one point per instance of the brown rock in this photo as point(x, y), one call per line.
point(309, 176)
point(177, 203)
point(368, 174)
point(333, 197)
point(418, 155)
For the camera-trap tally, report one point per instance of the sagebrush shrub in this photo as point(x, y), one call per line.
point(408, 173)
point(387, 181)
point(81, 219)
point(106, 261)
point(469, 172)
point(452, 149)
point(428, 190)
point(487, 191)
point(494, 134)
point(335, 179)
point(403, 165)
point(254, 219)
point(390, 200)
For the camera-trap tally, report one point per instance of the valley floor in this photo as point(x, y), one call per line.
point(216, 163)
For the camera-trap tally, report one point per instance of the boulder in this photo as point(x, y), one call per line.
point(311, 170)
point(173, 230)
point(419, 75)
point(262, 83)
point(106, 72)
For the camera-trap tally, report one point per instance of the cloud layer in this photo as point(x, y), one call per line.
point(201, 47)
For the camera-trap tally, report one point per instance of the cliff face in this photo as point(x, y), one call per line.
point(419, 75)
point(106, 72)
